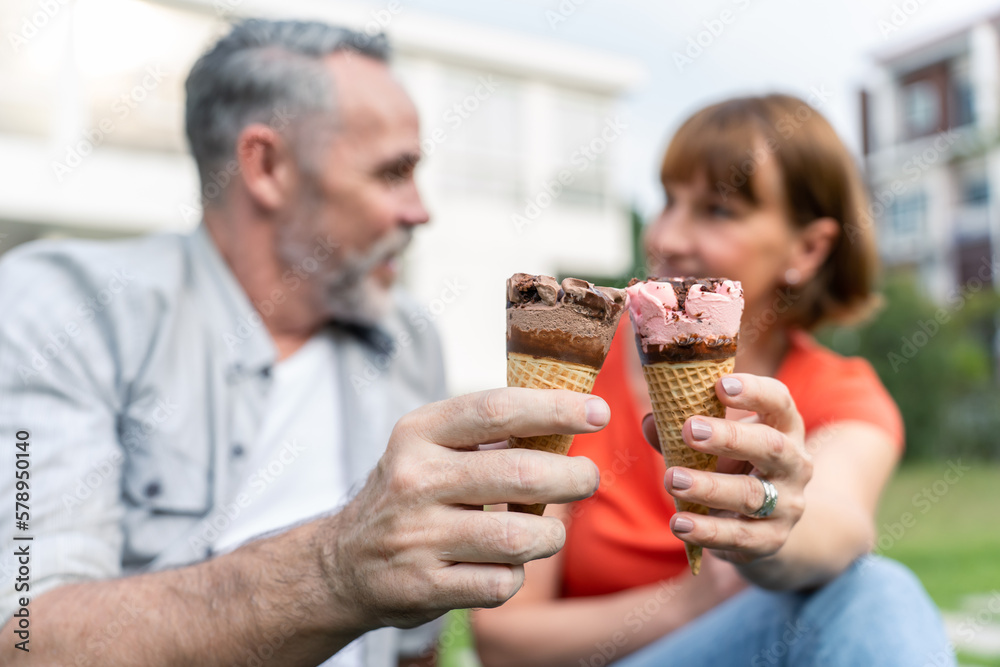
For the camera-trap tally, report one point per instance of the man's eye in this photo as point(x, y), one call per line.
point(393, 176)
point(398, 173)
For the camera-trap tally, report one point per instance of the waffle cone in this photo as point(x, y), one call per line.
point(680, 391)
point(524, 370)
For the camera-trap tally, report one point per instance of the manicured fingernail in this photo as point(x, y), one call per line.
point(598, 412)
point(681, 480)
point(682, 524)
point(700, 430)
point(732, 386)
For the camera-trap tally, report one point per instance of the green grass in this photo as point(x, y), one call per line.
point(952, 542)
point(979, 661)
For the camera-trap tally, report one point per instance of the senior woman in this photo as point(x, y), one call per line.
point(760, 190)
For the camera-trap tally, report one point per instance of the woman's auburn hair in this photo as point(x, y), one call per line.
point(727, 141)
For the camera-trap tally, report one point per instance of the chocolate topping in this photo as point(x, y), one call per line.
point(582, 296)
point(687, 346)
point(692, 348)
point(573, 322)
point(525, 288)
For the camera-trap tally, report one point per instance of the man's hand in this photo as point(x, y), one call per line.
point(771, 445)
point(415, 542)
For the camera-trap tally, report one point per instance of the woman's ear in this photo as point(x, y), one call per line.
point(814, 244)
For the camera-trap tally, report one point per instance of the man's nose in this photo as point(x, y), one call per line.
point(412, 211)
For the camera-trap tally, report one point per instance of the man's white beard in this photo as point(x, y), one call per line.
point(348, 289)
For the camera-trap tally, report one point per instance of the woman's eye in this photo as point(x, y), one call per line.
point(719, 211)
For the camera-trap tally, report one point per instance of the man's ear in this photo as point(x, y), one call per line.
point(267, 166)
point(814, 244)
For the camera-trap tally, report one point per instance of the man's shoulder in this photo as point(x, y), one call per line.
point(147, 252)
point(109, 297)
point(68, 269)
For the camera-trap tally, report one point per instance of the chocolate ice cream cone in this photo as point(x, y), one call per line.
point(557, 338)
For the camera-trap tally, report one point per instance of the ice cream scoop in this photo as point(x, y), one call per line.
point(678, 319)
point(571, 321)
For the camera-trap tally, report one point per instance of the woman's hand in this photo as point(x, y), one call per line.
point(770, 444)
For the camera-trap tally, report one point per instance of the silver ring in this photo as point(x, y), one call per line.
point(770, 501)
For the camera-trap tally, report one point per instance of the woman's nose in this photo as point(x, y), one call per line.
point(669, 237)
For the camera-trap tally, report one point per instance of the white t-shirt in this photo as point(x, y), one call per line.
point(298, 467)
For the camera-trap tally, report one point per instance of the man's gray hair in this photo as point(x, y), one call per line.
point(263, 72)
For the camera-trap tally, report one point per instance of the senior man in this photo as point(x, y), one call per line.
point(187, 406)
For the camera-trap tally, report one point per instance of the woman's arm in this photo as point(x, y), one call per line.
point(536, 629)
point(852, 461)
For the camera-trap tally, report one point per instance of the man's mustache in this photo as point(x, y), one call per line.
point(384, 249)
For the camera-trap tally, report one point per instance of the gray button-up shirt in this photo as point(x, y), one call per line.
point(139, 370)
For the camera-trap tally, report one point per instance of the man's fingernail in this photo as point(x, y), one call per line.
point(598, 412)
point(681, 480)
point(732, 386)
point(682, 524)
point(700, 430)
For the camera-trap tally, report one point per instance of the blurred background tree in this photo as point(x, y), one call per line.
point(939, 363)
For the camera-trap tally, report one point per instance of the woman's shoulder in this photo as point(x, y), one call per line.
point(810, 362)
point(828, 387)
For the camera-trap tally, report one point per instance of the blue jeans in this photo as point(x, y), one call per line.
point(876, 614)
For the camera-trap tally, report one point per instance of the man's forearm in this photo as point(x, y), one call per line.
point(266, 603)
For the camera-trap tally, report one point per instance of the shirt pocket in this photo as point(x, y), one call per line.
point(168, 466)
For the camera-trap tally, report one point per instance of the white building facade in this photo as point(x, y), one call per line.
point(520, 137)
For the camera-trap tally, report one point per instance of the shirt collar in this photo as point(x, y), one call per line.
point(244, 335)
point(376, 336)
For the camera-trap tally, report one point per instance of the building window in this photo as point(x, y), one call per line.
point(483, 150)
point(976, 192)
point(906, 217)
point(962, 93)
point(583, 145)
point(937, 97)
point(964, 104)
point(921, 108)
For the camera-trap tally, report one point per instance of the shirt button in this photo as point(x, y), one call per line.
point(152, 489)
point(238, 450)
